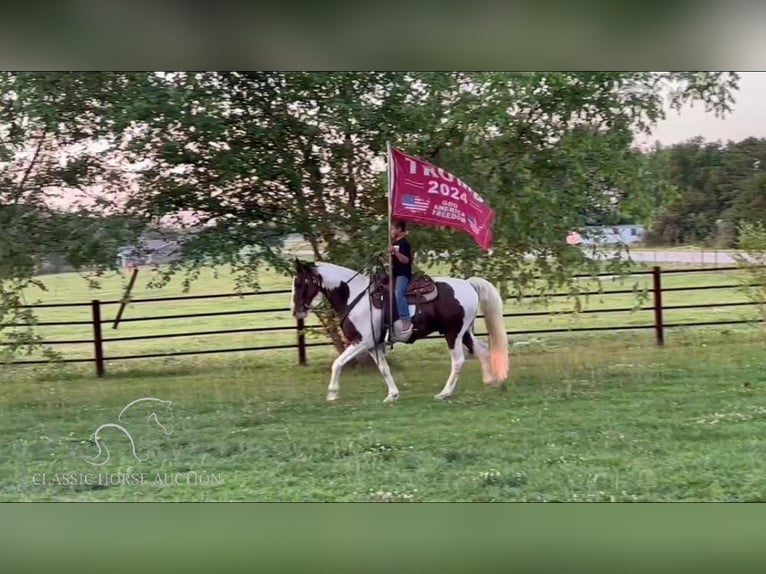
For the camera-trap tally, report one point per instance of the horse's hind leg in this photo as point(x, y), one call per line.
point(454, 342)
point(478, 349)
point(482, 352)
point(458, 358)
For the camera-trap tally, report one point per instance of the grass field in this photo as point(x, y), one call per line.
point(601, 417)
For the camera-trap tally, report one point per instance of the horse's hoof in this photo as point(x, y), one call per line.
point(332, 396)
point(391, 398)
point(500, 386)
point(442, 396)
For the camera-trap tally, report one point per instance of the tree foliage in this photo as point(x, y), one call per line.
point(239, 159)
point(718, 188)
point(44, 120)
point(752, 260)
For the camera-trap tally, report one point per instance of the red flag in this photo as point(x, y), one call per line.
point(424, 193)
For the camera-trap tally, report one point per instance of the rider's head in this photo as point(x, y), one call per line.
point(398, 229)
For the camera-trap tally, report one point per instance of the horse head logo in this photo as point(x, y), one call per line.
point(153, 415)
point(167, 414)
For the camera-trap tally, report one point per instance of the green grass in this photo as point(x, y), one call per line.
point(586, 417)
point(613, 418)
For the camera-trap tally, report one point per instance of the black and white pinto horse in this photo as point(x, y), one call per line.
point(452, 313)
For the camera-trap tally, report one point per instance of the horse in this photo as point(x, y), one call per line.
point(451, 310)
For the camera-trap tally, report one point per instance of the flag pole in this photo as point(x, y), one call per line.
point(390, 256)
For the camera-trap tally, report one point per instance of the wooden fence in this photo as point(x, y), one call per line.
point(99, 342)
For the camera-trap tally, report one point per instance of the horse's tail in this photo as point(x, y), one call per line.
point(492, 308)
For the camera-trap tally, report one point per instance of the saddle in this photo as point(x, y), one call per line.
point(421, 289)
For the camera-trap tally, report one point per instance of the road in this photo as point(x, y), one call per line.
point(700, 257)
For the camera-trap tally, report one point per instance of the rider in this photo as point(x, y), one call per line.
point(401, 258)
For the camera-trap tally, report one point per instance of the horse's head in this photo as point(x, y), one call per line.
point(306, 290)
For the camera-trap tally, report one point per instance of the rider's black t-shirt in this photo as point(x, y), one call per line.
point(399, 268)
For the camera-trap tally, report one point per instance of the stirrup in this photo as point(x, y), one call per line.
point(402, 336)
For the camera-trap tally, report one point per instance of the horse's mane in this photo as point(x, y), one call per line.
point(313, 266)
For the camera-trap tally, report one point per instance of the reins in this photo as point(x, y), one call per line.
point(355, 301)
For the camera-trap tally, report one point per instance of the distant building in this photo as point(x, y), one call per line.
point(612, 234)
point(148, 252)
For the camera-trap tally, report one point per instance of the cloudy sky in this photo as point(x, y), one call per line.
point(748, 118)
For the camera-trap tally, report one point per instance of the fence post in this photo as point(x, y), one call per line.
point(301, 343)
point(98, 340)
point(659, 328)
point(125, 298)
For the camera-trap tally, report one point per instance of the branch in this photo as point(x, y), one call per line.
point(432, 155)
point(29, 168)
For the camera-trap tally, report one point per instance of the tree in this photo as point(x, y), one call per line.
point(752, 261)
point(244, 158)
point(44, 118)
point(718, 187)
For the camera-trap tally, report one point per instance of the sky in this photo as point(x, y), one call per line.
point(748, 117)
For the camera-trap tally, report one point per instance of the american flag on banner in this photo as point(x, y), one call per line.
point(472, 224)
point(414, 203)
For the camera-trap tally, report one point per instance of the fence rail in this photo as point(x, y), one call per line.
point(99, 341)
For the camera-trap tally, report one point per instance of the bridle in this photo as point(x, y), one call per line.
point(310, 280)
point(317, 281)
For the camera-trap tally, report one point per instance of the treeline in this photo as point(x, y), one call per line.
point(706, 191)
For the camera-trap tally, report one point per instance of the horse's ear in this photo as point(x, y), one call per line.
point(297, 265)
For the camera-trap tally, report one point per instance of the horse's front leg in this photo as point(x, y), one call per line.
point(350, 353)
point(379, 356)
